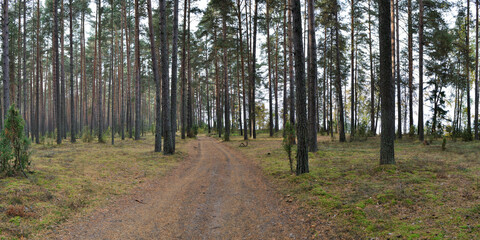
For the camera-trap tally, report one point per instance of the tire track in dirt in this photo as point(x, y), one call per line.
point(215, 194)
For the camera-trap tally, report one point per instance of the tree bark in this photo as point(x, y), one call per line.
point(398, 80)
point(6, 59)
point(138, 98)
point(72, 100)
point(475, 124)
point(387, 85)
point(301, 125)
point(254, 71)
point(167, 132)
point(173, 108)
point(410, 66)
point(245, 134)
point(158, 134)
point(338, 80)
point(225, 77)
point(312, 80)
point(37, 78)
point(420, 71)
point(290, 64)
point(467, 71)
point(352, 70)
point(372, 77)
point(100, 85)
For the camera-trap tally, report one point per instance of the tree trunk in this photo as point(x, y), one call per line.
point(312, 80)
point(290, 64)
point(189, 81)
point(285, 104)
point(137, 72)
point(6, 59)
point(372, 77)
point(100, 85)
point(167, 132)
point(410, 66)
point(56, 72)
point(158, 134)
point(173, 108)
point(467, 70)
point(475, 124)
point(352, 70)
point(398, 80)
point(245, 134)
point(254, 71)
point(225, 76)
point(270, 100)
point(72, 100)
point(338, 80)
point(301, 125)
point(420, 71)
point(37, 78)
point(184, 69)
point(387, 85)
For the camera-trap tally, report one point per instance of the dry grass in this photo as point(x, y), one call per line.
point(73, 179)
point(428, 194)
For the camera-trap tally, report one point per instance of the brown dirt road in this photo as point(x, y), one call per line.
point(215, 194)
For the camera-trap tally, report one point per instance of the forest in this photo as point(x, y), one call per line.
point(239, 119)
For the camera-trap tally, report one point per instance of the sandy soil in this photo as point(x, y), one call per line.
point(215, 194)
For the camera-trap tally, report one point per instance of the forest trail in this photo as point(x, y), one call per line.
point(215, 194)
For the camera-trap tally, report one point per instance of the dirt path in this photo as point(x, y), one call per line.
point(216, 194)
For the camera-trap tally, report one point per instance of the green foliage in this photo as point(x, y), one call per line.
point(195, 129)
point(14, 146)
point(413, 130)
point(86, 135)
point(361, 132)
point(288, 142)
point(466, 135)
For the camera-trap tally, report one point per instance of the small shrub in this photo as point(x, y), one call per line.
point(288, 142)
point(195, 129)
point(467, 136)
point(14, 146)
point(412, 131)
point(87, 135)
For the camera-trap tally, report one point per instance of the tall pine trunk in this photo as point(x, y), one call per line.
point(420, 70)
point(253, 72)
point(100, 85)
point(312, 80)
point(137, 72)
point(167, 132)
point(158, 134)
point(72, 100)
point(301, 125)
point(475, 124)
point(338, 80)
point(410, 66)
point(398, 80)
point(270, 104)
point(173, 108)
point(387, 85)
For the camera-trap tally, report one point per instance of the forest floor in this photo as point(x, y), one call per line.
point(214, 194)
point(428, 194)
point(219, 190)
point(72, 180)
